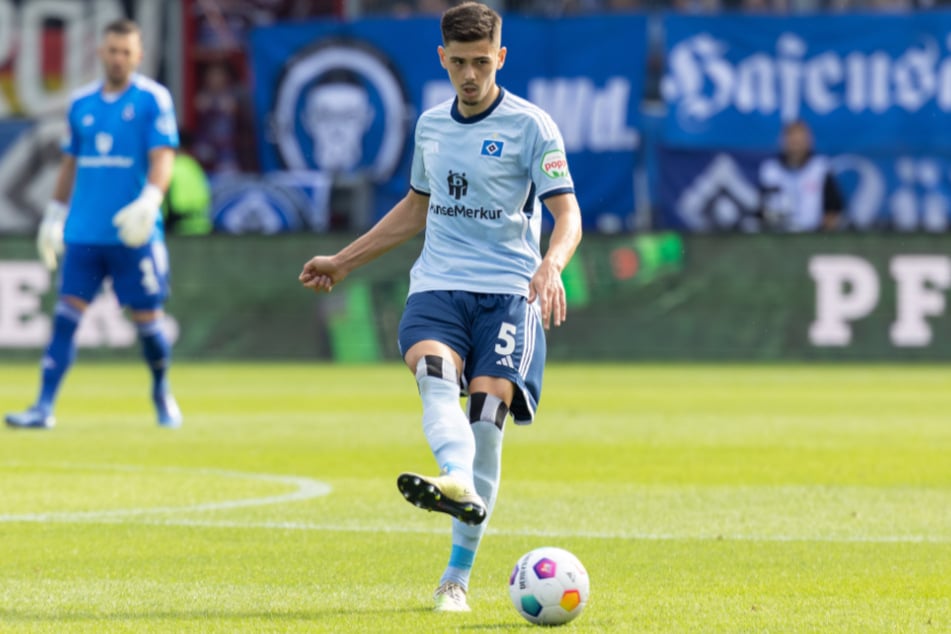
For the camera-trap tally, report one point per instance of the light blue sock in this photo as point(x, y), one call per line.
point(157, 352)
point(444, 423)
point(488, 417)
point(460, 565)
point(60, 353)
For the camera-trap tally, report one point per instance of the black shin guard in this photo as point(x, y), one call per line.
point(485, 407)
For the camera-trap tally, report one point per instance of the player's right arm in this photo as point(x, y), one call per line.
point(406, 219)
point(65, 179)
point(49, 237)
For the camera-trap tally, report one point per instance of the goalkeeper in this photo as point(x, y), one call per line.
point(103, 219)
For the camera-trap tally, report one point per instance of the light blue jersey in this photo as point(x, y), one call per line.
point(485, 177)
point(111, 139)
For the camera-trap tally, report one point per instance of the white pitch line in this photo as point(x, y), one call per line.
point(308, 488)
point(548, 534)
point(305, 489)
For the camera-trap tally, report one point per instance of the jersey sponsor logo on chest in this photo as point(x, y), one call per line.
point(103, 142)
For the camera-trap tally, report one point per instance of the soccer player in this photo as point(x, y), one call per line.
point(103, 219)
point(481, 294)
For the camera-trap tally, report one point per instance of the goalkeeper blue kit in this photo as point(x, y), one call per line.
point(111, 136)
point(120, 133)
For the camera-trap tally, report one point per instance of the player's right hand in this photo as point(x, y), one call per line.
point(49, 238)
point(320, 273)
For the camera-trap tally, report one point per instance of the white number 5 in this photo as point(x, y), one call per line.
point(506, 344)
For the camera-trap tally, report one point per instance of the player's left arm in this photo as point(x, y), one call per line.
point(161, 161)
point(546, 284)
point(136, 221)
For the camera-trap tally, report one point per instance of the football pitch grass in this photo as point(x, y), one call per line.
point(701, 498)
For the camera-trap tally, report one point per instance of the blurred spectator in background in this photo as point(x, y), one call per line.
point(696, 6)
point(187, 204)
point(403, 8)
point(222, 112)
point(799, 191)
point(223, 25)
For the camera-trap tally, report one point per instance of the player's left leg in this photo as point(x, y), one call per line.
point(487, 414)
point(504, 370)
point(140, 279)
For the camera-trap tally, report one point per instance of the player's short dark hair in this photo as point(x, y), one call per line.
point(122, 26)
point(470, 22)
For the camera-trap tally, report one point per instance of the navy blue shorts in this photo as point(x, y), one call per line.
point(496, 335)
point(139, 275)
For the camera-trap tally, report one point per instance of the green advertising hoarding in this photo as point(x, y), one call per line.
point(632, 297)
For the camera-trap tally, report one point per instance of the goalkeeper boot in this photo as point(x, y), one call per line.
point(451, 597)
point(446, 494)
point(166, 407)
point(34, 418)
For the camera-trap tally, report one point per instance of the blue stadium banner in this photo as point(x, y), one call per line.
point(715, 190)
point(343, 97)
point(866, 83)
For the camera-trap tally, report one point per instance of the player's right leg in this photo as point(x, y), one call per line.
point(82, 274)
point(450, 439)
point(445, 493)
point(57, 359)
point(431, 334)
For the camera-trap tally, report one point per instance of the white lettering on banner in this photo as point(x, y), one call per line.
point(589, 118)
point(22, 321)
point(916, 299)
point(847, 289)
point(700, 82)
point(83, 23)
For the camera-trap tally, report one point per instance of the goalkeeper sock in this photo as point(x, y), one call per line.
point(444, 422)
point(60, 353)
point(157, 352)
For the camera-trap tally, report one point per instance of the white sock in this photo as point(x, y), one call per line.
point(444, 423)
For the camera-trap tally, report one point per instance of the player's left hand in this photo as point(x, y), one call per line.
point(136, 221)
point(546, 286)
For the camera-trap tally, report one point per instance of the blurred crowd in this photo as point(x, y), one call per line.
point(238, 15)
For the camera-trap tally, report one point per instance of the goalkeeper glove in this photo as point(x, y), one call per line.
point(49, 238)
point(136, 221)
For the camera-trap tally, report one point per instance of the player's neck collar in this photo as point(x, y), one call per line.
point(461, 118)
point(109, 94)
